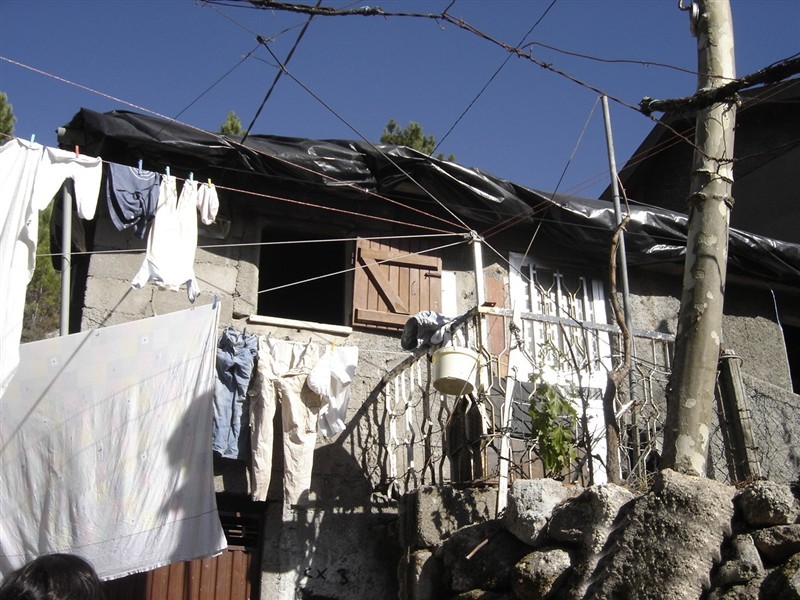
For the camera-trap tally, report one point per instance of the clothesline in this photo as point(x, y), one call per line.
point(350, 269)
point(312, 205)
point(273, 243)
point(228, 140)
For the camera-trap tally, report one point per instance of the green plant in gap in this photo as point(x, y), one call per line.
point(553, 421)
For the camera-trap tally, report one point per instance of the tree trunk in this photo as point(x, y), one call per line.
point(690, 397)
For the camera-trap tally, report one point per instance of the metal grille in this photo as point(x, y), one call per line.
point(417, 417)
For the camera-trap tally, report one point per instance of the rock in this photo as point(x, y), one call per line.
point(481, 557)
point(745, 591)
point(530, 503)
point(424, 572)
point(540, 574)
point(743, 564)
point(440, 511)
point(668, 541)
point(776, 544)
point(587, 519)
point(765, 503)
point(784, 582)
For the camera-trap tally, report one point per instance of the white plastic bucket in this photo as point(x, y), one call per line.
point(455, 370)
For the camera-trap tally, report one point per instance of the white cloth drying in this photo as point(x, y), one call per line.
point(106, 446)
point(172, 240)
point(331, 379)
point(19, 229)
point(85, 171)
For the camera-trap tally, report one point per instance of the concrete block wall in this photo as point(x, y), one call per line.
point(222, 269)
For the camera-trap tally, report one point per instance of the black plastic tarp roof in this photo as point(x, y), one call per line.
point(342, 169)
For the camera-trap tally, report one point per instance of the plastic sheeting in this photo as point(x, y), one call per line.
point(337, 169)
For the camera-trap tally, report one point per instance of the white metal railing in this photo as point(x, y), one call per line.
point(416, 416)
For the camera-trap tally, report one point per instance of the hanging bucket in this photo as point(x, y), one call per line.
point(455, 370)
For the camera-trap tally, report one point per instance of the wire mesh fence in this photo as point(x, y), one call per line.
point(435, 438)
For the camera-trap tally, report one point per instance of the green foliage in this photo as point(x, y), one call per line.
point(7, 118)
point(412, 136)
point(553, 420)
point(42, 314)
point(232, 125)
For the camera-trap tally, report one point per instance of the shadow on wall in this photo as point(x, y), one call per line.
point(335, 547)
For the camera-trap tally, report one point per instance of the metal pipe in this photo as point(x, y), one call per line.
point(66, 253)
point(623, 264)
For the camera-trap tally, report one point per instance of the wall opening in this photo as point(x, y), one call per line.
point(308, 275)
point(791, 337)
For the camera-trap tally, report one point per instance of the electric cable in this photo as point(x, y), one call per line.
point(263, 41)
point(373, 146)
point(491, 79)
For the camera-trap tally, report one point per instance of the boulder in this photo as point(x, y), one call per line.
point(745, 591)
point(421, 578)
point(667, 542)
point(778, 543)
point(530, 504)
point(540, 574)
point(765, 503)
point(743, 563)
point(783, 582)
point(440, 511)
point(481, 557)
point(587, 519)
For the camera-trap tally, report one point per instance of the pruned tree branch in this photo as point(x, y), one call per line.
point(618, 374)
point(725, 93)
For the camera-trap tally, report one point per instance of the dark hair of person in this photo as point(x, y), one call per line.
point(53, 577)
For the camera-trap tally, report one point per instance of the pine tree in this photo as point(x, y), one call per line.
point(7, 118)
point(232, 125)
point(412, 136)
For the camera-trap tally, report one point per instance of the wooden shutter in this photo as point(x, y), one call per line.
point(393, 283)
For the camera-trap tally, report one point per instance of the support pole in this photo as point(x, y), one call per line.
point(480, 284)
point(622, 270)
point(66, 253)
point(690, 396)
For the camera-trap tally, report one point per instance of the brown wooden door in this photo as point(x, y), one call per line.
point(233, 575)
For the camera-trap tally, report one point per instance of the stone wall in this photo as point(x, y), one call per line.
point(685, 537)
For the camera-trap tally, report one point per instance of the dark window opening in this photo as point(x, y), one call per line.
point(791, 337)
point(323, 295)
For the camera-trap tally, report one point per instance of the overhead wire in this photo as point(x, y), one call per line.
point(263, 41)
point(764, 95)
point(372, 145)
point(212, 86)
point(492, 78)
point(234, 142)
point(498, 227)
point(204, 131)
point(282, 69)
point(151, 112)
point(354, 268)
point(448, 18)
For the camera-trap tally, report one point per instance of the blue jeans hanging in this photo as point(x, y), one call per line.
point(236, 353)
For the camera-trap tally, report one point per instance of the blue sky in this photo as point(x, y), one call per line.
point(162, 55)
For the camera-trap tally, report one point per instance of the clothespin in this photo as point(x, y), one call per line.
point(77, 151)
point(33, 137)
point(214, 305)
point(140, 166)
point(191, 176)
point(167, 171)
point(209, 181)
